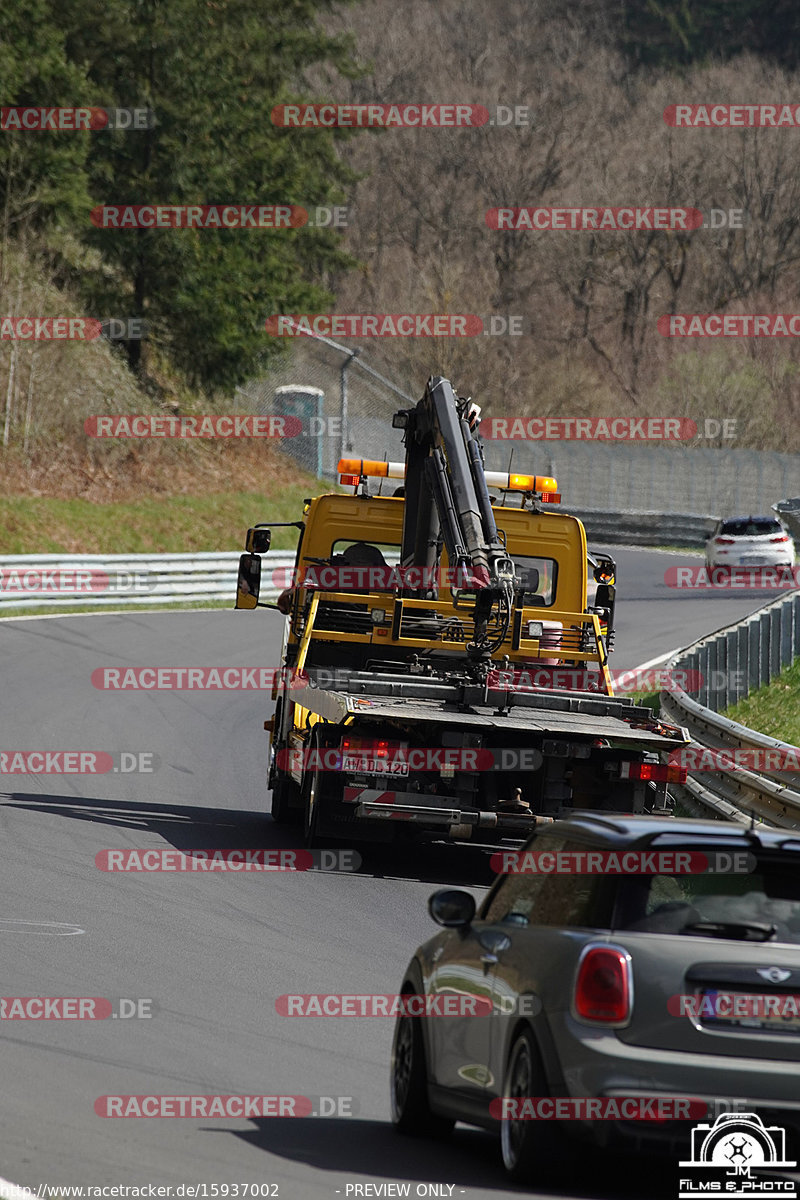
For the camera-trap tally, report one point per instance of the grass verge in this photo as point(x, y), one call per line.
point(773, 709)
point(163, 525)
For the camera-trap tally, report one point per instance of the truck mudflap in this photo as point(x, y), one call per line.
point(374, 804)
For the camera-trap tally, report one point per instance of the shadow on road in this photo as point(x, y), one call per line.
point(470, 1159)
point(193, 827)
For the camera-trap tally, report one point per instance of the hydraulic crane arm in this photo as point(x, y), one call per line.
point(447, 502)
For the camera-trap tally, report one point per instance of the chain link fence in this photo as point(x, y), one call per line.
point(346, 407)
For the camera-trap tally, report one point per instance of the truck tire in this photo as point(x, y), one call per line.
point(285, 801)
point(411, 1112)
point(532, 1150)
point(310, 793)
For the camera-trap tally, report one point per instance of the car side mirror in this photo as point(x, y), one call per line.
point(249, 582)
point(452, 908)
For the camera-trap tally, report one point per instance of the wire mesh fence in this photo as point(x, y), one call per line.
point(346, 407)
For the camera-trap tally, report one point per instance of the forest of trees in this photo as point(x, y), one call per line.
point(596, 76)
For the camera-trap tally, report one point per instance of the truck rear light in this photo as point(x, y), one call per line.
point(653, 772)
point(374, 755)
point(604, 986)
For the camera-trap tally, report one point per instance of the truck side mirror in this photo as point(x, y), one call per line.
point(249, 582)
point(604, 599)
point(258, 540)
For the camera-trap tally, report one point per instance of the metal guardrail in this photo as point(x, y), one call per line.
point(644, 528)
point(733, 662)
point(125, 579)
point(113, 580)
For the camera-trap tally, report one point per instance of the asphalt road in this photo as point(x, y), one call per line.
point(213, 952)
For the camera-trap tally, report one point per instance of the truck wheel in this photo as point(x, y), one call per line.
point(531, 1149)
point(311, 793)
point(285, 795)
point(411, 1111)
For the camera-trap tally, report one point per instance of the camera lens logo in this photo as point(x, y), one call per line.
point(729, 1150)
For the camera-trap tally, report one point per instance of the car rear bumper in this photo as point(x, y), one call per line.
point(599, 1064)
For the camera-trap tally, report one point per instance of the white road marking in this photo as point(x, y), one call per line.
point(39, 928)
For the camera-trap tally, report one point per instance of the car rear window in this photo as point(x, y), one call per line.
point(560, 900)
point(753, 528)
point(768, 896)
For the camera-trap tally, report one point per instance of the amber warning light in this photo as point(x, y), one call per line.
point(352, 469)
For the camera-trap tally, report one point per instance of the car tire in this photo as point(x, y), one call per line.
point(411, 1112)
point(532, 1150)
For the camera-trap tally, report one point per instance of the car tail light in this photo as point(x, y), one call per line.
point(779, 539)
point(653, 772)
point(720, 541)
point(603, 986)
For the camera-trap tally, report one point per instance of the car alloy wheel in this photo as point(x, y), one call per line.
point(411, 1111)
point(530, 1148)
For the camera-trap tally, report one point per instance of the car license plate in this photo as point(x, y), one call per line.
point(753, 560)
point(358, 764)
point(724, 1009)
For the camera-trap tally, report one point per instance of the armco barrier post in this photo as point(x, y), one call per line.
point(734, 668)
point(753, 628)
point(722, 673)
point(703, 660)
point(774, 642)
point(763, 649)
point(743, 634)
point(787, 631)
point(713, 668)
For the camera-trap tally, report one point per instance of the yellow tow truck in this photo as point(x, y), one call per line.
point(442, 672)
